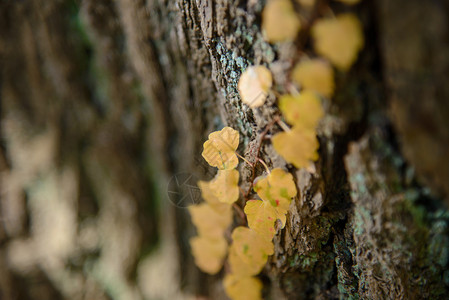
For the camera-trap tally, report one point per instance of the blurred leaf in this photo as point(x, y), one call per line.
point(280, 21)
point(209, 253)
point(339, 39)
point(303, 110)
point(242, 288)
point(316, 75)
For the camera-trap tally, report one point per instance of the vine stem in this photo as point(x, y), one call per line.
point(240, 211)
point(244, 159)
point(265, 165)
point(262, 137)
point(283, 125)
point(292, 90)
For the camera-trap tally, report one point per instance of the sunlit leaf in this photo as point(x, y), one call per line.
point(316, 75)
point(209, 253)
point(211, 222)
point(277, 189)
point(339, 39)
point(254, 85)
point(219, 149)
point(279, 21)
point(297, 146)
point(304, 109)
point(242, 288)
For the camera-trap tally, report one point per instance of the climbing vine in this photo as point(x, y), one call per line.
point(338, 39)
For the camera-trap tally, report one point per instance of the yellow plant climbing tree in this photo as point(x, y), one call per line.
point(338, 40)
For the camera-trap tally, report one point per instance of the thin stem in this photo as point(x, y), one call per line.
point(292, 90)
point(265, 165)
point(283, 125)
point(262, 137)
point(244, 159)
point(241, 191)
point(239, 210)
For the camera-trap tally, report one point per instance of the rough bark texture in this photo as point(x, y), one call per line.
point(103, 102)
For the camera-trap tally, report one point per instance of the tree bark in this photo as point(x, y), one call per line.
point(105, 104)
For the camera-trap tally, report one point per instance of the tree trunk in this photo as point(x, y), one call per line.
point(104, 109)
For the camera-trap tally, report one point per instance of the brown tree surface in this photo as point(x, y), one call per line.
point(104, 109)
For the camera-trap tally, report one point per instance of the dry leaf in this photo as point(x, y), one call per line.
point(339, 39)
point(242, 288)
point(303, 110)
point(209, 253)
point(254, 85)
point(316, 75)
point(280, 21)
point(297, 146)
point(219, 149)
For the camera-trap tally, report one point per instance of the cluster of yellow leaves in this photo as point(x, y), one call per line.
point(299, 145)
point(251, 246)
point(254, 85)
point(214, 216)
point(338, 40)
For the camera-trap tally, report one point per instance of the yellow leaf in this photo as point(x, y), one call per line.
point(297, 146)
point(279, 21)
point(251, 249)
point(208, 194)
point(211, 222)
point(222, 189)
point(219, 149)
point(304, 109)
point(277, 189)
point(349, 2)
point(261, 217)
point(254, 85)
point(315, 74)
point(339, 39)
point(225, 186)
point(242, 267)
point(209, 253)
point(242, 288)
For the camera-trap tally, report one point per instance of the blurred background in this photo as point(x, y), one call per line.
point(104, 108)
